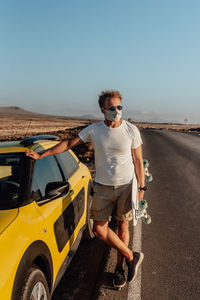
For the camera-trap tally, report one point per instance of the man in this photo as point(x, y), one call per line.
point(117, 147)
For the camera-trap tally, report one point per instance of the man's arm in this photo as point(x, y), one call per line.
point(139, 168)
point(59, 148)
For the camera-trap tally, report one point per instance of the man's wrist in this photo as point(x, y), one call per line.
point(143, 188)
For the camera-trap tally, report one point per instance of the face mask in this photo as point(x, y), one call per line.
point(113, 116)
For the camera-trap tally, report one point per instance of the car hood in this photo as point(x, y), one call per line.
point(7, 217)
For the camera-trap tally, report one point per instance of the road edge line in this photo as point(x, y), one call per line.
point(134, 289)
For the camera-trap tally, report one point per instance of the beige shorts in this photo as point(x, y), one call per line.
point(108, 199)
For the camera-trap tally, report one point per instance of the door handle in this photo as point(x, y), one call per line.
point(70, 193)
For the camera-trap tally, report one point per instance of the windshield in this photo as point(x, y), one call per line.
point(11, 170)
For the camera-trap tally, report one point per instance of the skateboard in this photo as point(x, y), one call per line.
point(142, 212)
point(140, 207)
point(148, 176)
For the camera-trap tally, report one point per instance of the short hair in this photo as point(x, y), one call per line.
point(108, 94)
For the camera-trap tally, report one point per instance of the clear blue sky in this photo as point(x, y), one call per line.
point(57, 56)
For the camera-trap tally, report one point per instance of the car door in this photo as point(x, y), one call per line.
point(72, 174)
point(60, 214)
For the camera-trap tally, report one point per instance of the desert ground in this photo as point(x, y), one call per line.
point(18, 127)
point(16, 124)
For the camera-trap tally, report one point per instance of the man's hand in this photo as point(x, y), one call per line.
point(32, 154)
point(58, 148)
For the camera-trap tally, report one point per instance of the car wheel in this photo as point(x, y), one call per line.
point(35, 286)
point(88, 232)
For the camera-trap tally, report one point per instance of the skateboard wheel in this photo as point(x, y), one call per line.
point(147, 220)
point(146, 163)
point(143, 204)
point(148, 178)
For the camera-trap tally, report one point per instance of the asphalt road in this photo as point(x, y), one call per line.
point(171, 244)
point(171, 267)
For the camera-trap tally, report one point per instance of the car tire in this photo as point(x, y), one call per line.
point(88, 232)
point(35, 285)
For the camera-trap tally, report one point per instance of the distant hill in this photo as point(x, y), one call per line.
point(87, 117)
point(18, 111)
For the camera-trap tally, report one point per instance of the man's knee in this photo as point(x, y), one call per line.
point(100, 229)
point(123, 226)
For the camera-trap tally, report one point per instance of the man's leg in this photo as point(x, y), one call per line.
point(102, 231)
point(124, 212)
point(123, 234)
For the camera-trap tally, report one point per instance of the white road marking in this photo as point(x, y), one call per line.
point(134, 289)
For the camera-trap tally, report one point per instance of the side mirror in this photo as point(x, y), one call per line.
point(56, 189)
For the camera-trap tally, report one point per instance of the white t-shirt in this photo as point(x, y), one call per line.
point(112, 149)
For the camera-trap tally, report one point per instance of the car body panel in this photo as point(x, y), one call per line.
point(14, 242)
point(47, 223)
point(13, 149)
point(7, 217)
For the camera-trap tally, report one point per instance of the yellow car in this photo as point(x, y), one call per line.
point(43, 213)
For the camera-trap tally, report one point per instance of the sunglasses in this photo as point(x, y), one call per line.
point(113, 108)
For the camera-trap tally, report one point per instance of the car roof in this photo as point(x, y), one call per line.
point(22, 145)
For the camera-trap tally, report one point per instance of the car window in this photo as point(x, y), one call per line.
point(46, 170)
point(68, 163)
point(10, 178)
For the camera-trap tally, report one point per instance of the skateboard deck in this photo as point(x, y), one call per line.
point(140, 207)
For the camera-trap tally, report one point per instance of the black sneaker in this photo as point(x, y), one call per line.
point(134, 265)
point(119, 279)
